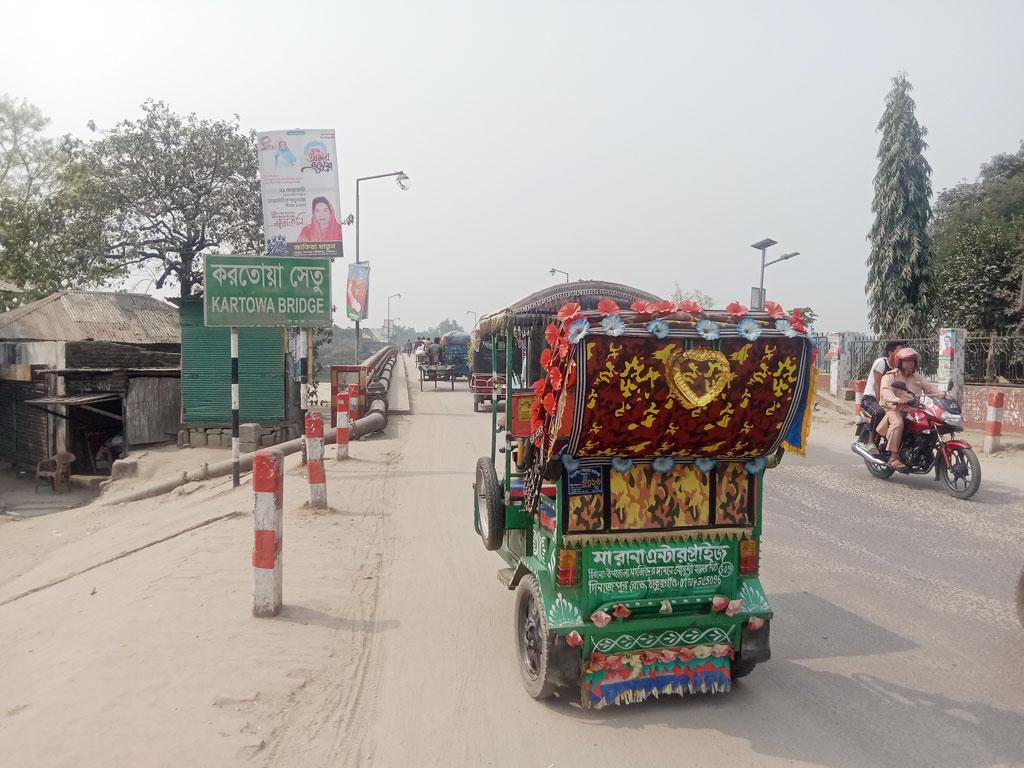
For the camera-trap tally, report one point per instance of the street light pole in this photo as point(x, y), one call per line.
point(757, 302)
point(403, 183)
point(392, 296)
point(471, 312)
point(560, 271)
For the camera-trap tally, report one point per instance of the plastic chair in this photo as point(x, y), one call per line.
point(57, 470)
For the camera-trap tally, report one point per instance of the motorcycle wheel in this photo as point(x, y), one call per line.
point(962, 474)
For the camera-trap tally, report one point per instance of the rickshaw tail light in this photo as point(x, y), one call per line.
point(748, 556)
point(568, 574)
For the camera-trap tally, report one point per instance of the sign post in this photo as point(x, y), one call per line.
point(267, 291)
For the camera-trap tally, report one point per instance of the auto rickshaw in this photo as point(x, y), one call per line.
point(627, 508)
point(487, 371)
point(455, 353)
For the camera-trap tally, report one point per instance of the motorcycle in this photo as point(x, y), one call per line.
point(928, 445)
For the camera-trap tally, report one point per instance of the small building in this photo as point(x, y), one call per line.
point(93, 373)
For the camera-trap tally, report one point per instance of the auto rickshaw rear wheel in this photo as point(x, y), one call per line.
point(490, 504)
point(534, 642)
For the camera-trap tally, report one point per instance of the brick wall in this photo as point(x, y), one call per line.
point(976, 401)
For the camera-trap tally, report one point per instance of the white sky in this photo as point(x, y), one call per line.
point(639, 142)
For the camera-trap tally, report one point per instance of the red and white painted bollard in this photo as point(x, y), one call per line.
point(858, 393)
point(341, 434)
point(315, 460)
point(268, 523)
point(353, 402)
point(994, 421)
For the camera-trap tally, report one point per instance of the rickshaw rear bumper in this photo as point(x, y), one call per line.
point(756, 644)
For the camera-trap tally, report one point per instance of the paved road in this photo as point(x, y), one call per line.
point(895, 641)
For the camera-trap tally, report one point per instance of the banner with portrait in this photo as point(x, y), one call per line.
point(299, 190)
point(357, 291)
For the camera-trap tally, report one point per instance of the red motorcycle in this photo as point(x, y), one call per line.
point(928, 445)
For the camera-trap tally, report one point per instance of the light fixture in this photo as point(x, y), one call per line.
point(403, 181)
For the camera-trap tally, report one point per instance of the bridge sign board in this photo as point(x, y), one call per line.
point(267, 291)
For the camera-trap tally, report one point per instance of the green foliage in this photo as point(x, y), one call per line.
point(168, 188)
point(978, 242)
point(445, 326)
point(899, 285)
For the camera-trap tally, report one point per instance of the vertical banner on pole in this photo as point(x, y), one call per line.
point(234, 408)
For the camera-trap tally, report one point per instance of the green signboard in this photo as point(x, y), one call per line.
point(267, 291)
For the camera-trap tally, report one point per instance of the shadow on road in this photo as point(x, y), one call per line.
point(298, 614)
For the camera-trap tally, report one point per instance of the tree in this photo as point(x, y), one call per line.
point(694, 294)
point(168, 188)
point(46, 243)
point(899, 285)
point(445, 326)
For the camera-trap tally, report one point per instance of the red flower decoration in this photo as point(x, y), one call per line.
point(663, 307)
point(574, 639)
point(796, 319)
point(737, 310)
point(690, 307)
point(607, 307)
point(562, 348)
point(555, 378)
point(569, 312)
point(621, 612)
point(602, 620)
point(570, 380)
point(549, 403)
point(719, 603)
point(551, 334)
point(774, 311)
point(685, 654)
point(538, 387)
point(640, 307)
point(545, 358)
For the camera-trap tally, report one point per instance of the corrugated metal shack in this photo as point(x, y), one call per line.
point(93, 373)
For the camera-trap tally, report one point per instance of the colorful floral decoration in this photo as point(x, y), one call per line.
point(538, 387)
point(708, 329)
point(545, 359)
point(578, 330)
point(620, 464)
point(663, 307)
point(666, 607)
point(569, 312)
point(659, 328)
point(749, 329)
point(755, 623)
point(734, 607)
point(774, 311)
point(613, 325)
point(555, 377)
point(663, 464)
point(633, 677)
point(574, 639)
point(704, 464)
point(570, 463)
point(797, 320)
point(719, 603)
point(737, 310)
point(756, 466)
point(621, 612)
point(600, 619)
point(551, 334)
point(607, 307)
point(690, 307)
point(782, 324)
point(640, 307)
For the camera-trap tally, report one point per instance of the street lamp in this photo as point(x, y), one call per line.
point(392, 296)
point(757, 294)
point(403, 181)
point(471, 312)
point(561, 272)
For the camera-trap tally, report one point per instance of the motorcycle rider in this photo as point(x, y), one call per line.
point(869, 403)
point(893, 400)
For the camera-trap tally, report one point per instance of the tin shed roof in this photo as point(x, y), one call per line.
point(128, 318)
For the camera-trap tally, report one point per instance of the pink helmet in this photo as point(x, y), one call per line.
point(906, 353)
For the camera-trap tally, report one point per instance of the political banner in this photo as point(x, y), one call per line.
point(357, 291)
point(299, 189)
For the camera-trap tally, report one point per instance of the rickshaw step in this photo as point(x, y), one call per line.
point(505, 576)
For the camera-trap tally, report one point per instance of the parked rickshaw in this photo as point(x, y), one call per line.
point(487, 371)
point(626, 502)
point(455, 352)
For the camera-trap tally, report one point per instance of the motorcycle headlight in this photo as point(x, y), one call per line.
point(953, 419)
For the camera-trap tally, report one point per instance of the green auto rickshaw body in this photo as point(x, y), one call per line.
point(628, 512)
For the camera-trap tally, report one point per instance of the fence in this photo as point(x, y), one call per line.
point(994, 360)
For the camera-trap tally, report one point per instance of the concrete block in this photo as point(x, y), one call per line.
point(249, 432)
point(123, 468)
point(183, 438)
point(268, 440)
point(213, 439)
point(198, 438)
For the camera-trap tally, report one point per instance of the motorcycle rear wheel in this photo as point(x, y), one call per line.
point(963, 474)
point(876, 470)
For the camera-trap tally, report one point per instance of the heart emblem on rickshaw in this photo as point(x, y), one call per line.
point(697, 376)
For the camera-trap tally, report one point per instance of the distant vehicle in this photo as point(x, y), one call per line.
point(626, 500)
point(487, 368)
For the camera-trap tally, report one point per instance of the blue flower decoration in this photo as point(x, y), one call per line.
point(613, 325)
point(570, 463)
point(578, 330)
point(659, 328)
point(663, 464)
point(708, 329)
point(782, 324)
point(749, 329)
point(756, 466)
point(705, 465)
point(620, 464)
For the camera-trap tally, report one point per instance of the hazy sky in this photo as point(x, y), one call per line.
point(642, 142)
